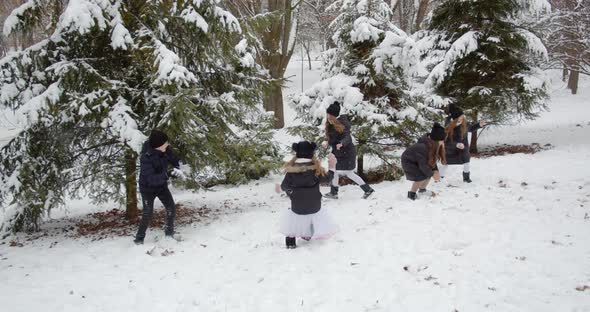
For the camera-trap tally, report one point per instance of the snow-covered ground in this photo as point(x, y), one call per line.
point(517, 239)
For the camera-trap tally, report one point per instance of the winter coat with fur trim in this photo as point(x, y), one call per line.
point(303, 187)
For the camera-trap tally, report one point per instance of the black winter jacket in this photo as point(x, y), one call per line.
point(346, 155)
point(153, 175)
point(415, 161)
point(303, 187)
point(454, 155)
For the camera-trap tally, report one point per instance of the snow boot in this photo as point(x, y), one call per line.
point(466, 177)
point(422, 190)
point(412, 195)
point(368, 190)
point(333, 193)
point(290, 242)
point(138, 241)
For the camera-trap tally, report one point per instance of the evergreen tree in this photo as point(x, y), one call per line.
point(113, 70)
point(368, 72)
point(478, 56)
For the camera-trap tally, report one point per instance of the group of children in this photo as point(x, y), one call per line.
point(306, 219)
point(304, 174)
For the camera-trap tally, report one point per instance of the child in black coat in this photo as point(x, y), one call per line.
point(155, 158)
point(339, 138)
point(304, 174)
point(419, 160)
point(456, 143)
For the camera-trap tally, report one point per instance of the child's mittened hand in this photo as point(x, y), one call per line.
point(332, 161)
point(278, 188)
point(460, 146)
point(178, 173)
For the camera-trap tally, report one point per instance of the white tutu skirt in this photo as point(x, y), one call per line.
point(317, 226)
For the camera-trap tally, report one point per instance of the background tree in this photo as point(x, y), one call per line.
point(272, 27)
point(367, 72)
point(479, 57)
point(410, 14)
point(110, 72)
point(565, 33)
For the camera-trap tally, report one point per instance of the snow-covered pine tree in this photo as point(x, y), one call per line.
point(111, 71)
point(478, 56)
point(368, 73)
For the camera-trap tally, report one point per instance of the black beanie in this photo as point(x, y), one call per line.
point(334, 109)
point(304, 149)
point(454, 111)
point(157, 138)
point(437, 133)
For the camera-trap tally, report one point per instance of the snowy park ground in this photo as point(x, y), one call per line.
point(517, 239)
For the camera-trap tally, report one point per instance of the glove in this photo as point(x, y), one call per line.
point(177, 173)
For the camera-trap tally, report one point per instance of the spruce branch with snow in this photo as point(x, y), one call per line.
point(368, 73)
point(88, 95)
point(478, 55)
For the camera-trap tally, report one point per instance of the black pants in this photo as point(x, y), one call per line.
point(148, 199)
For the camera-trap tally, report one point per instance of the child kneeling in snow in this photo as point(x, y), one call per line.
point(302, 181)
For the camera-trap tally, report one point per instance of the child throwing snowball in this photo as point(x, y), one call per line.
point(419, 160)
point(306, 218)
point(339, 138)
point(155, 158)
point(456, 143)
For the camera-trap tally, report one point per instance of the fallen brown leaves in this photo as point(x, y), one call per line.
point(505, 149)
point(114, 222)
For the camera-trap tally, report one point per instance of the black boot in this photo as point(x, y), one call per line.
point(368, 190)
point(138, 241)
point(466, 177)
point(333, 193)
point(412, 195)
point(422, 190)
point(290, 241)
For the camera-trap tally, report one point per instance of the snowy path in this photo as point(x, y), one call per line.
point(487, 246)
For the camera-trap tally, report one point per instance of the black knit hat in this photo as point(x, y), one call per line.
point(157, 138)
point(454, 111)
point(437, 133)
point(304, 149)
point(334, 109)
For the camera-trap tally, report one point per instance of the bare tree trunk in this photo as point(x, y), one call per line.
point(402, 22)
point(422, 11)
point(274, 98)
point(573, 81)
point(360, 168)
point(307, 48)
point(2, 46)
point(131, 210)
point(473, 143)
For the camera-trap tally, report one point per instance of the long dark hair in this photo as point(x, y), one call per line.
point(337, 125)
point(451, 127)
point(436, 154)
